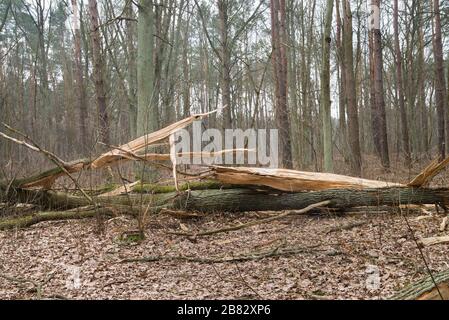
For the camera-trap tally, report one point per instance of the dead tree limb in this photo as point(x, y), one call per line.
point(254, 222)
point(425, 289)
point(273, 252)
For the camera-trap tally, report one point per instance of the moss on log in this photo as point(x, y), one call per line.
point(425, 289)
point(28, 220)
point(225, 200)
point(211, 200)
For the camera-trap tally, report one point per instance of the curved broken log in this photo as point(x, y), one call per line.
point(425, 289)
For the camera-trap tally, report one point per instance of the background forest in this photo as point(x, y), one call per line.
point(75, 73)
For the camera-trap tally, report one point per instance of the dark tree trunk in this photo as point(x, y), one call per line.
point(99, 70)
point(279, 60)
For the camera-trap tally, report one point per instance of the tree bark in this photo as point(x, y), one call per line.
point(440, 85)
point(147, 114)
point(425, 289)
point(230, 199)
point(325, 89)
point(80, 89)
point(380, 115)
point(400, 90)
point(225, 60)
point(279, 60)
point(99, 73)
point(353, 117)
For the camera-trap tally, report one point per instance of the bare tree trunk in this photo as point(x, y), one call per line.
point(353, 118)
point(225, 59)
point(80, 89)
point(99, 71)
point(279, 60)
point(325, 89)
point(147, 114)
point(440, 85)
point(399, 86)
point(132, 71)
point(341, 84)
point(379, 90)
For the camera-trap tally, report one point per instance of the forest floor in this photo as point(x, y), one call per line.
point(70, 260)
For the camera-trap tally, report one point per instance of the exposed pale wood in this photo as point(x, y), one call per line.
point(292, 180)
point(444, 224)
point(431, 241)
point(429, 172)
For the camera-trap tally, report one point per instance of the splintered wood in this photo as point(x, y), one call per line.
point(279, 179)
point(294, 181)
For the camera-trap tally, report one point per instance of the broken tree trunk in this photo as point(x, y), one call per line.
point(239, 199)
point(425, 289)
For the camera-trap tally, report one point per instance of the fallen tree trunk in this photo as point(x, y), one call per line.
point(239, 199)
point(425, 289)
point(227, 200)
point(29, 220)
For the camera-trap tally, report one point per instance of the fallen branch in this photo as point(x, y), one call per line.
point(125, 152)
point(428, 173)
point(29, 220)
point(347, 226)
point(253, 223)
point(431, 241)
point(425, 289)
point(274, 252)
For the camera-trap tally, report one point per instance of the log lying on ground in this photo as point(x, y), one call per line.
point(425, 289)
point(29, 220)
point(239, 199)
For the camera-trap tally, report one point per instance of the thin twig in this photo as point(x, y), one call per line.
point(254, 222)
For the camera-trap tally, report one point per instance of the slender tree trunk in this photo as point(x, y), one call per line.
point(341, 83)
point(80, 88)
point(399, 86)
point(132, 71)
point(424, 136)
point(325, 89)
point(225, 59)
point(379, 90)
point(99, 73)
point(440, 85)
point(279, 60)
point(147, 115)
point(353, 118)
point(372, 101)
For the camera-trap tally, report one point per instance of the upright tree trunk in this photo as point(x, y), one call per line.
point(80, 89)
point(132, 70)
point(341, 84)
point(399, 86)
point(378, 88)
point(440, 85)
point(279, 60)
point(325, 89)
point(353, 117)
point(372, 100)
point(147, 113)
point(99, 71)
point(225, 60)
